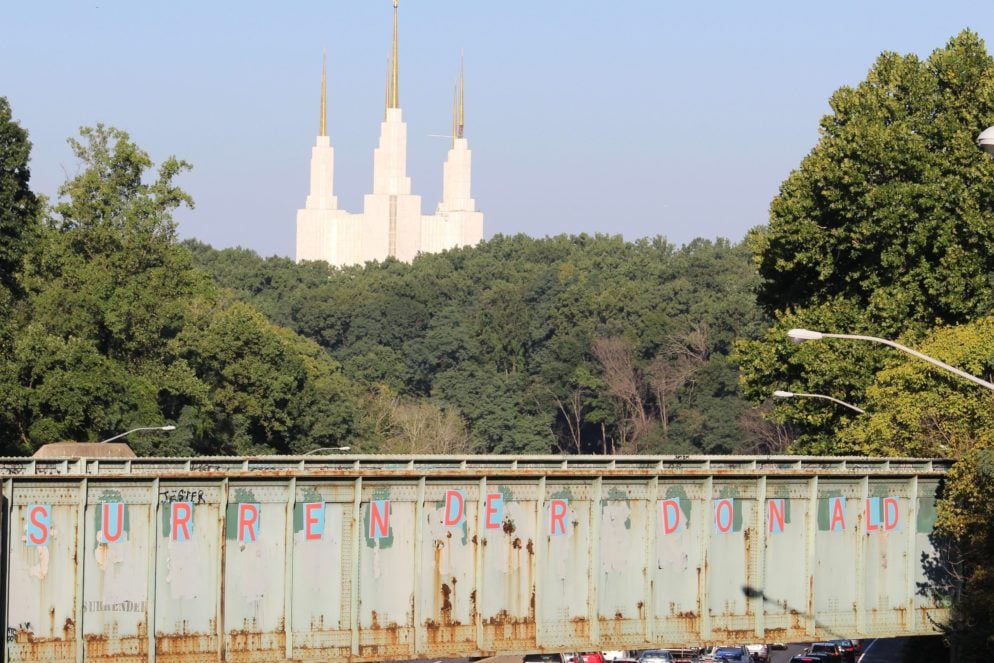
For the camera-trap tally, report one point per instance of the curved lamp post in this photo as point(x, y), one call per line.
point(790, 394)
point(809, 335)
point(133, 430)
point(314, 451)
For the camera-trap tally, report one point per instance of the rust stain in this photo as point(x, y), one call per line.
point(446, 603)
point(508, 526)
point(516, 544)
point(530, 547)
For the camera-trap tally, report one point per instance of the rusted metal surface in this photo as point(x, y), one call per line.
point(386, 558)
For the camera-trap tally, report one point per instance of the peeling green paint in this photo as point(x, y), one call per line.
point(380, 493)
point(686, 504)
point(925, 520)
point(782, 493)
point(308, 495)
point(824, 517)
point(240, 496)
point(733, 492)
point(110, 495)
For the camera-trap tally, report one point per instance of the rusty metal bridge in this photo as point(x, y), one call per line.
point(362, 558)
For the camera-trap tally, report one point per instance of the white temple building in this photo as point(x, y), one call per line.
point(391, 223)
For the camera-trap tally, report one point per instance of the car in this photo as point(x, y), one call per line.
point(808, 658)
point(684, 654)
point(759, 653)
point(615, 655)
point(548, 657)
point(732, 654)
point(849, 650)
point(591, 657)
point(655, 656)
point(832, 651)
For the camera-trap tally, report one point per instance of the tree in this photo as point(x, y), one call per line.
point(18, 205)
point(892, 211)
point(886, 229)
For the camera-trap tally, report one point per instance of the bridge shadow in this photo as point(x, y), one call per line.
point(754, 592)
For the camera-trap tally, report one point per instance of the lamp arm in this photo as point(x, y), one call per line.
point(915, 353)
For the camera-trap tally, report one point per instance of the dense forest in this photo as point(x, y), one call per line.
point(566, 344)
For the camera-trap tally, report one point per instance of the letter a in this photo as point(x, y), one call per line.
point(838, 507)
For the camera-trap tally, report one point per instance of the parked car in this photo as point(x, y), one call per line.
point(759, 653)
point(655, 656)
point(732, 654)
point(808, 657)
point(685, 654)
point(549, 657)
point(591, 657)
point(849, 651)
point(832, 651)
point(615, 655)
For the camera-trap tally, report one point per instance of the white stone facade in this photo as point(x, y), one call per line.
point(391, 223)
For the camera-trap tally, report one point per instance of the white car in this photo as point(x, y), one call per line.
point(614, 655)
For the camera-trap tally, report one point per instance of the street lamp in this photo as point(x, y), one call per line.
point(790, 394)
point(314, 451)
point(809, 335)
point(133, 430)
point(985, 140)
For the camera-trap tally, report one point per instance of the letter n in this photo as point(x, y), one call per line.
point(775, 516)
point(379, 519)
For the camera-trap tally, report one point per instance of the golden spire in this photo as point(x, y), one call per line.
point(324, 94)
point(462, 93)
point(455, 113)
point(386, 94)
point(394, 91)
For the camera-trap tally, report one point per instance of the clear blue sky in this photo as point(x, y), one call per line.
point(642, 118)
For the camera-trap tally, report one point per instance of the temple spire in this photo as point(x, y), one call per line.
point(394, 64)
point(455, 113)
point(324, 94)
point(462, 93)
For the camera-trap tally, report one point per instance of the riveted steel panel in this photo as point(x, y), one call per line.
point(784, 529)
point(116, 562)
point(188, 562)
point(322, 570)
point(254, 560)
point(447, 590)
point(734, 538)
point(508, 602)
point(563, 611)
point(387, 564)
point(834, 575)
point(678, 572)
point(623, 563)
point(42, 579)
